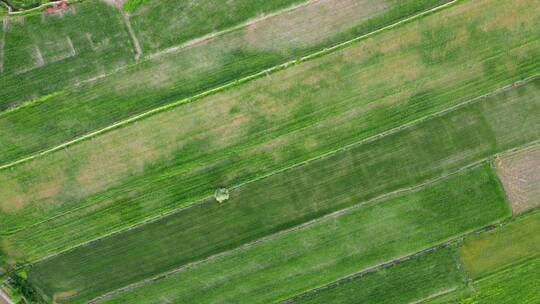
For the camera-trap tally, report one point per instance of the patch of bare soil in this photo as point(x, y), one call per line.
point(520, 175)
point(63, 295)
point(58, 8)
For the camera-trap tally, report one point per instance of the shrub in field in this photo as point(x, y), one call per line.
point(3, 10)
point(19, 283)
point(221, 195)
point(132, 5)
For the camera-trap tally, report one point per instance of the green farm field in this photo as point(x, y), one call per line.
point(414, 280)
point(515, 285)
point(193, 19)
point(252, 121)
point(503, 265)
point(515, 243)
point(287, 151)
point(43, 54)
point(466, 135)
point(338, 246)
point(173, 76)
point(49, 53)
point(440, 276)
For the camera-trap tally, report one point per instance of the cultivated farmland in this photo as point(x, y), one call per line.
point(177, 75)
point(254, 130)
point(420, 278)
point(339, 246)
point(328, 151)
point(469, 136)
point(502, 265)
point(40, 55)
point(489, 252)
point(46, 54)
point(432, 277)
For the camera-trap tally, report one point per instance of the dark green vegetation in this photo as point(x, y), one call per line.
point(159, 164)
point(279, 268)
point(20, 283)
point(3, 9)
point(405, 282)
point(167, 78)
point(18, 5)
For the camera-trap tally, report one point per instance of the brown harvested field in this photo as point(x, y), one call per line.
point(520, 175)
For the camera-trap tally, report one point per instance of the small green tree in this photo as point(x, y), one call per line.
point(221, 195)
point(3, 10)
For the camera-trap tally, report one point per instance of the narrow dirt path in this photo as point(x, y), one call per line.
point(10, 9)
point(119, 4)
point(4, 298)
point(2, 44)
point(136, 43)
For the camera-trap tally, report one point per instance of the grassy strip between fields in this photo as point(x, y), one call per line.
point(264, 126)
point(298, 261)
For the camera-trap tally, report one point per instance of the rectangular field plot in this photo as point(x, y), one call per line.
point(48, 52)
point(518, 284)
point(515, 285)
point(408, 282)
point(520, 174)
point(173, 76)
point(157, 33)
point(283, 266)
point(514, 243)
point(405, 158)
